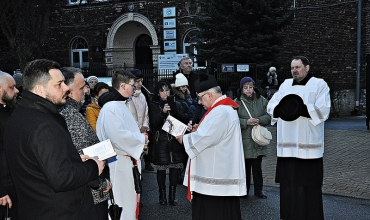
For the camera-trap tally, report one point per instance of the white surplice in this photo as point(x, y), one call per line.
point(303, 137)
point(216, 152)
point(115, 122)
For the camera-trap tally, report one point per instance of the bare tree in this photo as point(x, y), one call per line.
point(25, 24)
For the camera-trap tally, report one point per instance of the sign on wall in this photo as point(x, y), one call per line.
point(169, 23)
point(169, 61)
point(169, 12)
point(169, 34)
point(169, 29)
point(242, 68)
point(227, 67)
point(170, 45)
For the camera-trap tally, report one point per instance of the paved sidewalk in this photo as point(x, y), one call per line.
point(346, 160)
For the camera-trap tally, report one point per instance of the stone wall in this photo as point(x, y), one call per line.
point(348, 101)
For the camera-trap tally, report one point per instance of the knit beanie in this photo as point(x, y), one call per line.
point(272, 69)
point(245, 80)
point(90, 78)
point(181, 80)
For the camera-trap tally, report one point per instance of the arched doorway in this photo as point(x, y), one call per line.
point(121, 47)
point(143, 53)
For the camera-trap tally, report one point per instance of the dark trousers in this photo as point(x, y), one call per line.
point(102, 210)
point(254, 164)
point(173, 178)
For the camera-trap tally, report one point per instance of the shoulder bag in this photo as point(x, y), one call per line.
point(260, 134)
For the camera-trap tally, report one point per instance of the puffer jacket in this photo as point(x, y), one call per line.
point(165, 149)
point(186, 102)
point(92, 113)
point(257, 108)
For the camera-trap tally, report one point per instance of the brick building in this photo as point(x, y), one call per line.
point(99, 33)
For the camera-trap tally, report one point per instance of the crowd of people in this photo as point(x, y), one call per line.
point(50, 113)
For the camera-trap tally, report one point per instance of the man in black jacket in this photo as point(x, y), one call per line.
point(8, 94)
point(49, 175)
point(186, 68)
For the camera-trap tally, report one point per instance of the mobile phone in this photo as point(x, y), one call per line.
point(171, 99)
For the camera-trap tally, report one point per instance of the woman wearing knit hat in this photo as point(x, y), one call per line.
point(92, 80)
point(271, 83)
point(248, 96)
point(188, 105)
point(182, 94)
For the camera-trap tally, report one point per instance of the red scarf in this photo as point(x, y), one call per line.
point(226, 101)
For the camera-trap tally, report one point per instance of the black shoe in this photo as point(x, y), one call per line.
point(149, 167)
point(260, 194)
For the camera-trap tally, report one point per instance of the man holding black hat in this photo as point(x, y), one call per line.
point(215, 174)
point(301, 106)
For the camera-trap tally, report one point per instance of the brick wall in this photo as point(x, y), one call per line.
point(323, 30)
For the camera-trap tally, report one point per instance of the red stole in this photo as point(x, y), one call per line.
point(226, 101)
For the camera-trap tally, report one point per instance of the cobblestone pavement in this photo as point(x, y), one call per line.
point(346, 159)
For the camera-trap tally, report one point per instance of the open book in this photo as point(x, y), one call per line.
point(103, 150)
point(174, 127)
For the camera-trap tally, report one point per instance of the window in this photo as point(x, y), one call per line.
point(79, 53)
point(190, 40)
point(76, 2)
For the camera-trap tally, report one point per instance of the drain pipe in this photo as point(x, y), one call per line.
point(358, 66)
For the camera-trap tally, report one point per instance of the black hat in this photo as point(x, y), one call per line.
point(206, 82)
point(290, 108)
point(137, 73)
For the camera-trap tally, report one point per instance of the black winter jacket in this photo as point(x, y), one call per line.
point(5, 179)
point(186, 102)
point(47, 171)
point(165, 149)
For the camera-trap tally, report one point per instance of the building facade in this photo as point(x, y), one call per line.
point(102, 34)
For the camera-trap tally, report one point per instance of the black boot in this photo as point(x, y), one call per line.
point(259, 194)
point(162, 196)
point(172, 196)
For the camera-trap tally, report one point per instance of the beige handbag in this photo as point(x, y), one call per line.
point(260, 134)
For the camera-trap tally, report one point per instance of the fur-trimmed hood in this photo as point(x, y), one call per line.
point(179, 94)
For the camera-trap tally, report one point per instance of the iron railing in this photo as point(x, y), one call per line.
point(229, 82)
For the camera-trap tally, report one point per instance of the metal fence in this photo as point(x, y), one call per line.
point(229, 82)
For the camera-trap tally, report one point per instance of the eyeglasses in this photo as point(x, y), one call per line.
point(201, 96)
